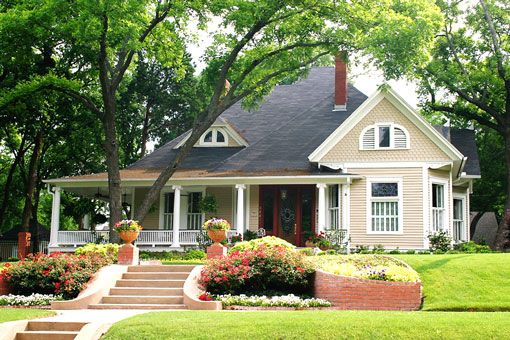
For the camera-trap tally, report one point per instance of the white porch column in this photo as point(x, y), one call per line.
point(86, 222)
point(55, 218)
point(240, 208)
point(177, 215)
point(322, 207)
point(346, 200)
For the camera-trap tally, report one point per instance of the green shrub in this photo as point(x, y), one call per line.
point(61, 274)
point(359, 249)
point(440, 241)
point(322, 253)
point(103, 249)
point(378, 249)
point(439, 252)
point(472, 247)
point(411, 252)
point(276, 268)
point(331, 252)
point(269, 241)
point(394, 251)
point(306, 251)
point(195, 255)
point(250, 235)
point(12, 259)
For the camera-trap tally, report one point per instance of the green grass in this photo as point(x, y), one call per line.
point(12, 314)
point(311, 325)
point(463, 282)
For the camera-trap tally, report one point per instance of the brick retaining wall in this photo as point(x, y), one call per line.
point(5, 288)
point(353, 293)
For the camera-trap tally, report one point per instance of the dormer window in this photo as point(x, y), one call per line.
point(384, 136)
point(214, 137)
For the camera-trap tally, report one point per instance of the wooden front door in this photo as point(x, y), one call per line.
point(288, 214)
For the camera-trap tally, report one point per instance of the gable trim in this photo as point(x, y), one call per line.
point(366, 107)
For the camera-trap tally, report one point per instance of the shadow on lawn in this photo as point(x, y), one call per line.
point(436, 264)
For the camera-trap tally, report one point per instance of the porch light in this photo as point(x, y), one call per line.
point(283, 194)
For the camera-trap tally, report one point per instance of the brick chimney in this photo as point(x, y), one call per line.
point(340, 83)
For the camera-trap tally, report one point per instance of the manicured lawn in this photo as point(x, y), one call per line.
point(12, 314)
point(311, 325)
point(463, 282)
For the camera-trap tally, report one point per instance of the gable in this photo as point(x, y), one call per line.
point(420, 147)
point(218, 135)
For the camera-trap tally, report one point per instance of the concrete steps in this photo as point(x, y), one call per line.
point(148, 287)
point(50, 330)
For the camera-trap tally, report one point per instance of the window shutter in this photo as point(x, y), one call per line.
point(400, 139)
point(369, 139)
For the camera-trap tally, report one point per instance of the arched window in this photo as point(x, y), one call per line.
point(214, 137)
point(384, 136)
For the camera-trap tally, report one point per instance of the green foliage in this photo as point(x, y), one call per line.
point(195, 255)
point(61, 274)
point(339, 239)
point(410, 251)
point(306, 251)
point(378, 249)
point(269, 241)
point(109, 249)
point(361, 249)
point(250, 235)
point(472, 247)
point(12, 259)
point(440, 242)
point(208, 204)
point(277, 268)
point(203, 240)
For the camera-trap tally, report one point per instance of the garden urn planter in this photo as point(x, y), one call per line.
point(324, 248)
point(128, 236)
point(217, 235)
point(309, 244)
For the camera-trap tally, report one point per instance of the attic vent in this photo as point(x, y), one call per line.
point(400, 137)
point(384, 136)
point(369, 139)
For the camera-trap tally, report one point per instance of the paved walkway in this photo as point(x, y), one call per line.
point(91, 315)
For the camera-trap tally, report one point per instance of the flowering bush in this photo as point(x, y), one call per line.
point(127, 225)
point(62, 274)
point(388, 272)
point(216, 224)
point(31, 300)
point(205, 297)
point(275, 301)
point(109, 249)
point(236, 238)
point(269, 241)
point(257, 270)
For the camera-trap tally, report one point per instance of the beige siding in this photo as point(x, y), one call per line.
point(224, 200)
point(412, 237)
point(151, 220)
point(421, 147)
point(253, 224)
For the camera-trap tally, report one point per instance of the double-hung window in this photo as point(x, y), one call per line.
point(333, 208)
point(195, 219)
point(384, 208)
point(438, 207)
point(168, 213)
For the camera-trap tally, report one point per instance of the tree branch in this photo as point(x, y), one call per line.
point(468, 115)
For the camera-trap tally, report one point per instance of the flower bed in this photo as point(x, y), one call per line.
point(289, 300)
point(32, 300)
point(58, 273)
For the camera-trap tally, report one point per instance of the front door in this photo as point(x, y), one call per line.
point(287, 214)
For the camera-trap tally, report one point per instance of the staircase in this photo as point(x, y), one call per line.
point(148, 287)
point(50, 330)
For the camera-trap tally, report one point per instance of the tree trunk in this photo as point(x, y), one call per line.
point(112, 163)
point(8, 181)
point(32, 178)
point(34, 238)
point(502, 240)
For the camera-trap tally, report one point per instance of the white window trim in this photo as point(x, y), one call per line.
point(369, 200)
point(463, 199)
point(446, 215)
point(329, 222)
point(376, 127)
point(214, 142)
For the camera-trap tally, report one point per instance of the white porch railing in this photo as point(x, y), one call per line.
point(81, 237)
point(458, 230)
point(195, 221)
point(146, 237)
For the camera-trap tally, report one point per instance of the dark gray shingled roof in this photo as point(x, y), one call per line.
point(464, 141)
point(292, 122)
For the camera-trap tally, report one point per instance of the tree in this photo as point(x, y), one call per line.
point(470, 70)
point(260, 43)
